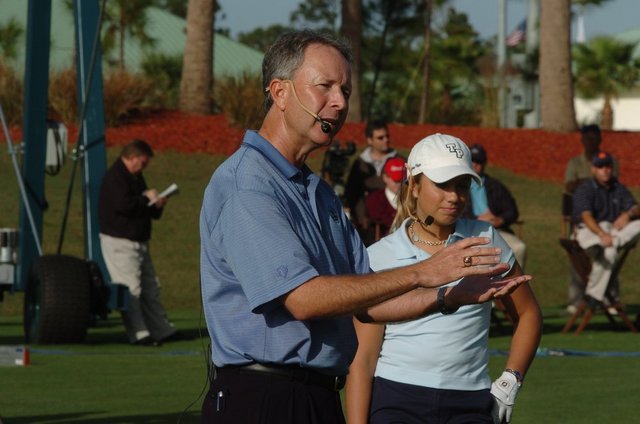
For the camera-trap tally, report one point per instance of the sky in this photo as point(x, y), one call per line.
point(611, 18)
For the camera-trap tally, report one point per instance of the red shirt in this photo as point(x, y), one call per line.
point(380, 211)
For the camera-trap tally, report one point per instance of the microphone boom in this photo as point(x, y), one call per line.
point(325, 126)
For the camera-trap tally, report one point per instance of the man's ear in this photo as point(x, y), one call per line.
point(279, 90)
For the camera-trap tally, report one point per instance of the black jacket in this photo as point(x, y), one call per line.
point(501, 202)
point(123, 210)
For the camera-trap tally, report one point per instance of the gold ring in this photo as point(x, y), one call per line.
point(467, 261)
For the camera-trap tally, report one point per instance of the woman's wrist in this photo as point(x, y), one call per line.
point(442, 304)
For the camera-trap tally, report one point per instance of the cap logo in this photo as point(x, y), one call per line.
point(453, 148)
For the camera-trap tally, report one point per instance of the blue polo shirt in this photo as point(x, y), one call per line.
point(479, 201)
point(605, 203)
point(266, 227)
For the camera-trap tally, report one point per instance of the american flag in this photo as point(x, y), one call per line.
point(517, 36)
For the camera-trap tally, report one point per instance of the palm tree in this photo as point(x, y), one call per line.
point(604, 68)
point(557, 112)
point(197, 65)
point(426, 58)
point(455, 69)
point(10, 34)
point(351, 29)
point(126, 18)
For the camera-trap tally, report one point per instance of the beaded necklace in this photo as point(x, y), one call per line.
point(415, 238)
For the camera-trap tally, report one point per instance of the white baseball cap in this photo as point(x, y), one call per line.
point(441, 157)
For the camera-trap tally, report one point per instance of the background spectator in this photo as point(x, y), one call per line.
point(364, 176)
point(578, 169)
point(605, 214)
point(383, 203)
point(502, 208)
point(125, 231)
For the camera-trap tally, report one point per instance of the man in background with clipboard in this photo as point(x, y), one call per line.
point(127, 207)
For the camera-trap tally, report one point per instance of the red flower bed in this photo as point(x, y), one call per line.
point(535, 153)
point(180, 132)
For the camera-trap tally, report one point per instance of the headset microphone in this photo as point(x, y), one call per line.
point(429, 220)
point(325, 126)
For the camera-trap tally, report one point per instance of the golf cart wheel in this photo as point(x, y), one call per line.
point(57, 300)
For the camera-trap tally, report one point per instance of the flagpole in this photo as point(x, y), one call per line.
point(501, 59)
point(581, 35)
point(532, 39)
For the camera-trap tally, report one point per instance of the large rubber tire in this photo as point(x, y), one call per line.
point(57, 300)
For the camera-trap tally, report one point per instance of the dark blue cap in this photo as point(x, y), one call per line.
point(478, 154)
point(602, 159)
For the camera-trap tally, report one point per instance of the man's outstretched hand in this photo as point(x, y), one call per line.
point(464, 258)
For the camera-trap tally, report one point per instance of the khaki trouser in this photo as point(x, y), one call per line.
point(129, 263)
point(605, 261)
point(518, 246)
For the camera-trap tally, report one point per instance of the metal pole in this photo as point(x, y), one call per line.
point(23, 191)
point(34, 133)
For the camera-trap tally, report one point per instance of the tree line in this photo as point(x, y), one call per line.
point(415, 61)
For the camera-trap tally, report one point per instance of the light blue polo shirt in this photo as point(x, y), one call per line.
point(437, 351)
point(266, 227)
point(478, 194)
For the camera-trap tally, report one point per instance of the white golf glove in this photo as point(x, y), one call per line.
point(504, 391)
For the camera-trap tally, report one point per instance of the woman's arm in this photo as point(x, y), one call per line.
point(524, 311)
point(527, 323)
point(360, 378)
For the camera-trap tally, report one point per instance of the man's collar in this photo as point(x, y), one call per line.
point(610, 184)
point(255, 141)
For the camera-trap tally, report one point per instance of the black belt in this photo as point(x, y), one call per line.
point(290, 372)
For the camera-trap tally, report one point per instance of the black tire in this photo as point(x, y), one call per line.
point(57, 300)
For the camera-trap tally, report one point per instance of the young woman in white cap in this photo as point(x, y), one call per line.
point(435, 369)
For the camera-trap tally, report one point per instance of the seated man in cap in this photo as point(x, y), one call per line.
point(605, 214)
point(382, 203)
point(500, 208)
point(578, 169)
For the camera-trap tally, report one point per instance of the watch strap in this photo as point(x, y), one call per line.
point(440, 302)
point(517, 374)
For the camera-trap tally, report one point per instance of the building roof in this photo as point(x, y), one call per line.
point(230, 57)
point(630, 36)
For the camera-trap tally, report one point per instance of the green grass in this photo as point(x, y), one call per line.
point(580, 387)
point(107, 381)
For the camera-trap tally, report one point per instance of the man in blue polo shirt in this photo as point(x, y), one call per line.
point(282, 269)
point(605, 214)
